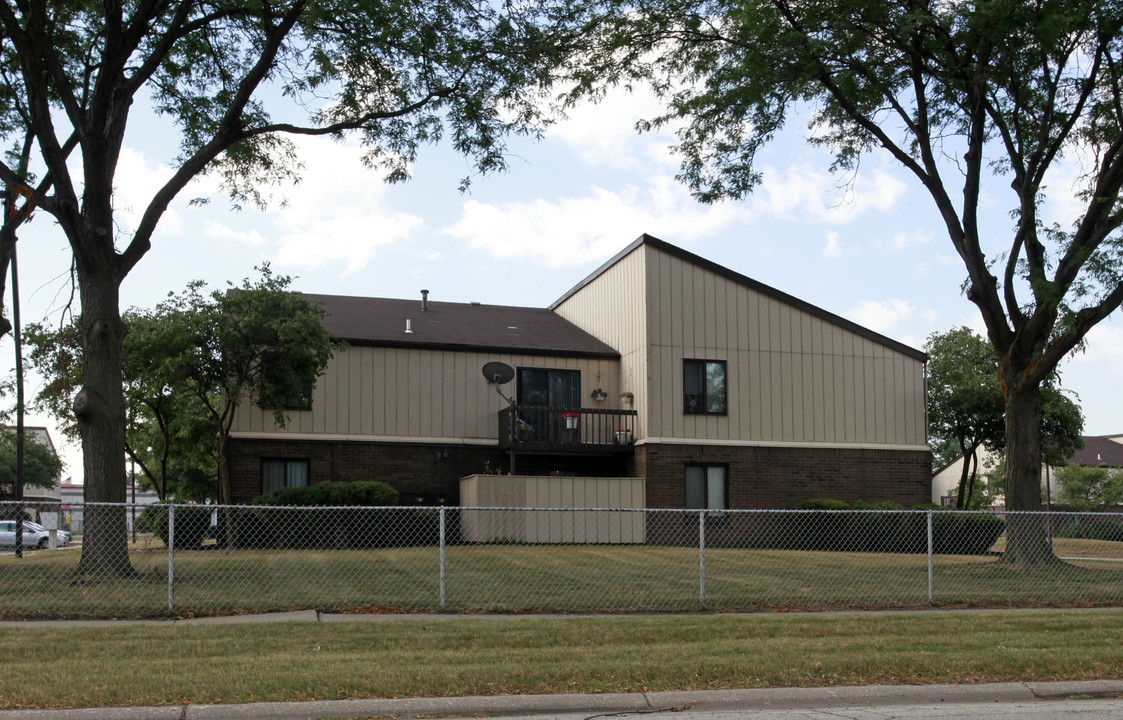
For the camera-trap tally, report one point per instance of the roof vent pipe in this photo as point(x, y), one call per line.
point(408, 328)
point(424, 301)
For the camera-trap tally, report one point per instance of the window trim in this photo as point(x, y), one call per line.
point(703, 407)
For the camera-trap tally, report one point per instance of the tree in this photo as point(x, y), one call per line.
point(966, 407)
point(974, 99)
point(41, 465)
point(1090, 488)
point(399, 74)
point(187, 365)
point(255, 342)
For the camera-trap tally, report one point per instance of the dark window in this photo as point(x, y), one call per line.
point(706, 487)
point(303, 401)
point(703, 383)
point(549, 388)
point(276, 474)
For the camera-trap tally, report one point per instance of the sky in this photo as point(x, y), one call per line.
point(872, 249)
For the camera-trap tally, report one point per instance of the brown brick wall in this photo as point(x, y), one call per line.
point(423, 474)
point(772, 477)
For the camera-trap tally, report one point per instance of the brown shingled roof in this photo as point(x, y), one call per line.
point(1098, 451)
point(456, 326)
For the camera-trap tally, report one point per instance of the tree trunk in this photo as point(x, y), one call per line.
point(1027, 541)
point(100, 411)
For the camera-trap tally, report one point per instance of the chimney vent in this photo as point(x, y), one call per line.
point(424, 301)
point(408, 328)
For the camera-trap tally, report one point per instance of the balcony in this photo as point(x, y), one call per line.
point(591, 431)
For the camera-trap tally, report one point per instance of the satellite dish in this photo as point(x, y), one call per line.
point(499, 373)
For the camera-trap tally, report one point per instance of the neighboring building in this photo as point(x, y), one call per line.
point(741, 396)
point(32, 494)
point(1098, 451)
point(945, 480)
point(71, 511)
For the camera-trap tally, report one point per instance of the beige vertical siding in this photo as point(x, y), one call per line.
point(391, 393)
point(792, 377)
point(613, 308)
point(581, 526)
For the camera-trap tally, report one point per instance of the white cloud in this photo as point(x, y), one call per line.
point(570, 231)
point(604, 134)
point(1062, 206)
point(833, 249)
point(221, 232)
point(336, 214)
point(902, 240)
point(1104, 343)
point(880, 316)
point(136, 180)
point(812, 194)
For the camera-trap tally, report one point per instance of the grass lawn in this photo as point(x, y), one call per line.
point(63, 666)
point(535, 578)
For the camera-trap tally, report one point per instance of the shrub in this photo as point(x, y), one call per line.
point(963, 534)
point(192, 522)
point(1098, 529)
point(821, 504)
point(369, 494)
point(350, 523)
point(819, 530)
point(900, 532)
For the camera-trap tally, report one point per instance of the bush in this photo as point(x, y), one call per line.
point(1098, 529)
point(369, 494)
point(960, 534)
point(819, 530)
point(192, 522)
point(350, 523)
point(821, 504)
point(868, 530)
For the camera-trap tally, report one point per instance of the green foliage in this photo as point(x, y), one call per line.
point(965, 404)
point(369, 493)
point(967, 410)
point(41, 465)
point(1095, 529)
point(340, 524)
point(192, 522)
point(885, 527)
point(821, 504)
point(1090, 488)
point(186, 365)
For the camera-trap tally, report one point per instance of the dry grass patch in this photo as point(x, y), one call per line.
point(166, 664)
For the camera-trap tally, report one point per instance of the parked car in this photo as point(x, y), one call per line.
point(64, 536)
point(34, 535)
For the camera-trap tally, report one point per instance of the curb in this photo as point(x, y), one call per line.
point(597, 704)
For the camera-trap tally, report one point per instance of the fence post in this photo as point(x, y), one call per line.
point(443, 607)
point(171, 559)
point(702, 559)
point(931, 588)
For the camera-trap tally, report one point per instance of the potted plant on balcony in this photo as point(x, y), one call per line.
point(623, 436)
point(599, 394)
point(571, 420)
point(627, 398)
point(522, 429)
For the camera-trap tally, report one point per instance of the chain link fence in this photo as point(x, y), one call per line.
point(188, 560)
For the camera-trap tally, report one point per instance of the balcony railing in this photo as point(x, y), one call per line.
point(531, 428)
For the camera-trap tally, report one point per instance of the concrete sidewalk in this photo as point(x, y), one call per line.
point(586, 705)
